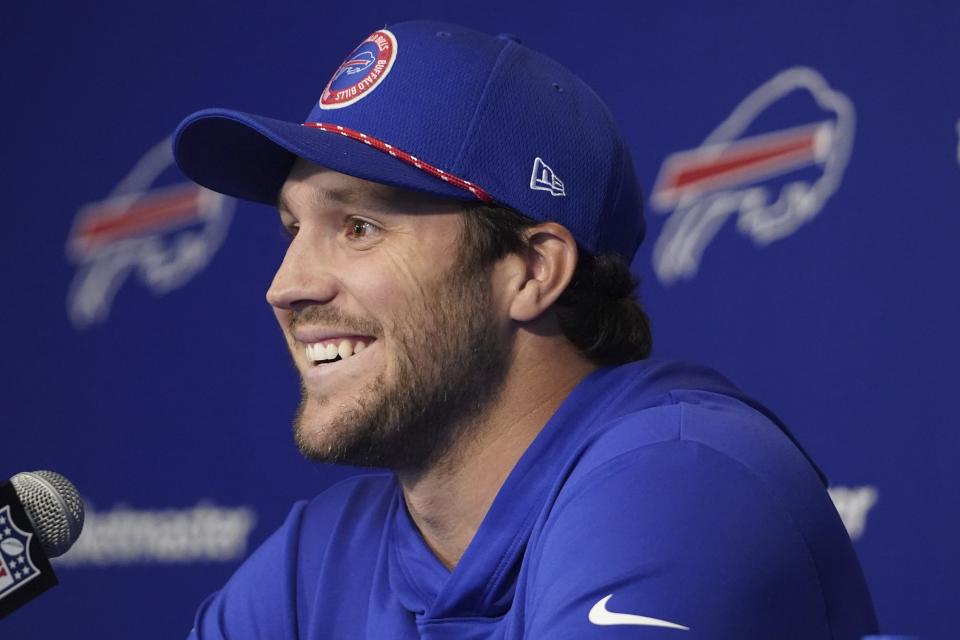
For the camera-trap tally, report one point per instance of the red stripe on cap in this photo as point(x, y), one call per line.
point(380, 145)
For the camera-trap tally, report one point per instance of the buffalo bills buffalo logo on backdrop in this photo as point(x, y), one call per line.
point(16, 566)
point(774, 178)
point(165, 235)
point(362, 72)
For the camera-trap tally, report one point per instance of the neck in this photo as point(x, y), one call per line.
point(450, 500)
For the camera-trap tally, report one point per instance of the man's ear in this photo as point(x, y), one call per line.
point(550, 260)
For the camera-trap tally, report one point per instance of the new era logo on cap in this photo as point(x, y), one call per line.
point(544, 179)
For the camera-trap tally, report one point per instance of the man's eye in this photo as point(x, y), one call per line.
point(291, 229)
point(360, 229)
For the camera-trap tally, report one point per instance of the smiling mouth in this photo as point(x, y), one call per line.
point(335, 350)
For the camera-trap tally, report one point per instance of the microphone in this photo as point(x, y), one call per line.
point(41, 515)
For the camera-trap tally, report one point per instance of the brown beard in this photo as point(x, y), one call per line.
point(452, 364)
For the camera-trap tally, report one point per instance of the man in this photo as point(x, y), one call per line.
point(456, 298)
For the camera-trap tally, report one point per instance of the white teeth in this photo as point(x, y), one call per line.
point(318, 352)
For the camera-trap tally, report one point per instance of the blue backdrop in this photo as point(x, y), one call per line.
point(803, 171)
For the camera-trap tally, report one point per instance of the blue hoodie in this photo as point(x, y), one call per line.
point(658, 502)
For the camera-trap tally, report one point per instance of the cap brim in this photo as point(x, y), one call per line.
point(249, 156)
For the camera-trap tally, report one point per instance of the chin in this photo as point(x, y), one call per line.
point(313, 428)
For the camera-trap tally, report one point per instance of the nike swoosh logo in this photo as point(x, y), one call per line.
point(602, 616)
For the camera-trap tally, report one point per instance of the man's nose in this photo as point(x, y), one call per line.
point(303, 278)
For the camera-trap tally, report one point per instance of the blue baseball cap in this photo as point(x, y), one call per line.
point(446, 110)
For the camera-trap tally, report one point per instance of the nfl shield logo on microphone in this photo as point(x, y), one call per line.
point(16, 566)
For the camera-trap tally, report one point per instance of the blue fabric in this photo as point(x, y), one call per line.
point(655, 483)
point(481, 108)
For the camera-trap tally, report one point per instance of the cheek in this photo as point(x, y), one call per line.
point(398, 281)
point(380, 290)
point(377, 290)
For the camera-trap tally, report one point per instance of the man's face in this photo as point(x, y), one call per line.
point(395, 333)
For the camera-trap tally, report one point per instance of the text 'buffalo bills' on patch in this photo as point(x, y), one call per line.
point(362, 71)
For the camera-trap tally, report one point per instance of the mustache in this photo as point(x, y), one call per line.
point(334, 318)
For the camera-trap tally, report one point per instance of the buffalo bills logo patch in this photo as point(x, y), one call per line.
point(362, 71)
